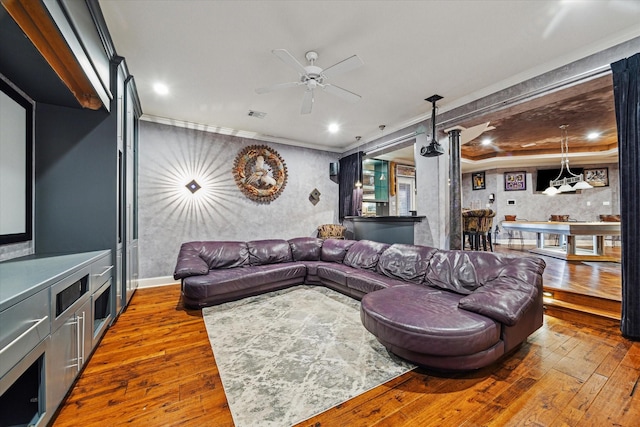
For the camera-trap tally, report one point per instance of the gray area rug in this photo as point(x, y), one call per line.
point(288, 355)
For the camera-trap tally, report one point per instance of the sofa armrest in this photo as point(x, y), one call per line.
point(189, 262)
point(504, 299)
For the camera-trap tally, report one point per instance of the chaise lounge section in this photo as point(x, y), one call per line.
point(451, 310)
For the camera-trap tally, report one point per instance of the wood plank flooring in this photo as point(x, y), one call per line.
point(155, 367)
point(587, 292)
point(599, 279)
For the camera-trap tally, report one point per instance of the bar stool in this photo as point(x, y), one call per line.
point(556, 237)
point(513, 234)
point(474, 228)
point(486, 224)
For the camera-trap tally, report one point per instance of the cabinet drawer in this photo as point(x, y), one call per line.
point(101, 271)
point(67, 295)
point(24, 325)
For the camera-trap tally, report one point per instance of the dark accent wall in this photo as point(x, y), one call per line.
point(76, 167)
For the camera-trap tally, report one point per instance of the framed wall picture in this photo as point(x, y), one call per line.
point(515, 181)
point(477, 179)
point(598, 177)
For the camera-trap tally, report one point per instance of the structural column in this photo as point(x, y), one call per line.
point(455, 191)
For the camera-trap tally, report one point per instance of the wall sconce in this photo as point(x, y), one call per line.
point(193, 186)
point(492, 198)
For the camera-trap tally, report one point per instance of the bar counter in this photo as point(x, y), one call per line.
point(385, 229)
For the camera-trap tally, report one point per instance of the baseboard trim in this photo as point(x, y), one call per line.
point(152, 282)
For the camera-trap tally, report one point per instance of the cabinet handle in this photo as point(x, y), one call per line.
point(80, 340)
point(22, 335)
point(106, 270)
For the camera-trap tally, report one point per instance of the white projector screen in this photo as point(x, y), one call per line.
point(15, 169)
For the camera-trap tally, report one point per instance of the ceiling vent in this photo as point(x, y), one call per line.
point(256, 114)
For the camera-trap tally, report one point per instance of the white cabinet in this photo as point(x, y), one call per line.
point(70, 347)
point(47, 329)
point(71, 336)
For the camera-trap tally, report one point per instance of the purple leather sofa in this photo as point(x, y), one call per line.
point(451, 310)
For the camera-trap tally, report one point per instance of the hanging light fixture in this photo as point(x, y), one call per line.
point(358, 173)
point(564, 184)
point(381, 127)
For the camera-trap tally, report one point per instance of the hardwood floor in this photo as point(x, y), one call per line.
point(599, 279)
point(155, 367)
point(582, 291)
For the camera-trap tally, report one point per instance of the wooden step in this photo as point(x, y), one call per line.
point(586, 314)
point(595, 304)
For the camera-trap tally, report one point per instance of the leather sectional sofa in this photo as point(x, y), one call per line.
point(444, 309)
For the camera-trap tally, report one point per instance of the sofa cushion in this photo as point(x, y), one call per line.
point(312, 267)
point(364, 254)
point(428, 321)
point(334, 250)
point(218, 283)
point(224, 254)
point(263, 252)
point(189, 261)
point(405, 262)
point(462, 271)
point(367, 281)
point(336, 273)
point(306, 248)
point(510, 295)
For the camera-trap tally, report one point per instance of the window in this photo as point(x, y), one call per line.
point(406, 196)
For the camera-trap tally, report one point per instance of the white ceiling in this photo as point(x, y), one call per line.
point(214, 54)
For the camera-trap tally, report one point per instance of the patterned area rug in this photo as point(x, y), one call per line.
point(288, 355)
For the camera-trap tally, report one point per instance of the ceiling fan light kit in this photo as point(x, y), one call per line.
point(313, 77)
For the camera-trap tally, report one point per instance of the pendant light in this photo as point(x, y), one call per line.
point(565, 183)
point(359, 162)
point(381, 127)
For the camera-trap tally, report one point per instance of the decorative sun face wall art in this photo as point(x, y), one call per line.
point(260, 173)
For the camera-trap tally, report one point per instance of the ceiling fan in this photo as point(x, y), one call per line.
point(313, 77)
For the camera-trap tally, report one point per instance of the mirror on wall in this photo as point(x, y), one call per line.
point(16, 144)
point(393, 172)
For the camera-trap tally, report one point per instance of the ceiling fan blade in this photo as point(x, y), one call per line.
point(279, 86)
point(348, 64)
point(307, 102)
point(342, 93)
point(288, 59)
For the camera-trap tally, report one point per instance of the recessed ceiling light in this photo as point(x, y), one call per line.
point(593, 135)
point(161, 89)
point(486, 141)
point(333, 128)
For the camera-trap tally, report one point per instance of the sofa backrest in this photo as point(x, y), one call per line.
point(306, 248)
point(465, 271)
point(334, 250)
point(223, 254)
point(273, 251)
point(406, 262)
point(364, 254)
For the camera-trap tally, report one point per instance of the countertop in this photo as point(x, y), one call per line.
point(22, 277)
point(417, 218)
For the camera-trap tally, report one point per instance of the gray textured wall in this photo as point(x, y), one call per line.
point(170, 156)
point(16, 250)
point(432, 199)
